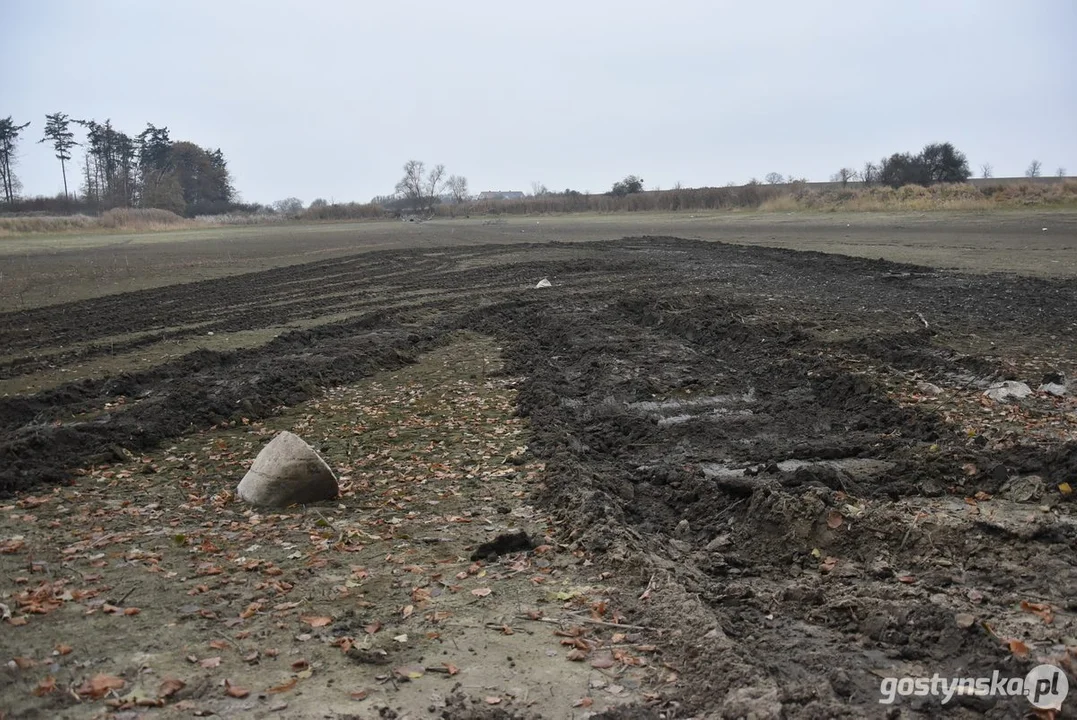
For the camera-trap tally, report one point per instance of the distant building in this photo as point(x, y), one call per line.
point(501, 195)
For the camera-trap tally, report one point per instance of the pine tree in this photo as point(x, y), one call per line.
point(57, 131)
point(9, 135)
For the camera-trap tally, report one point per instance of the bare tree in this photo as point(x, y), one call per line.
point(289, 206)
point(843, 176)
point(986, 171)
point(539, 189)
point(1061, 172)
point(870, 174)
point(458, 189)
point(775, 178)
point(421, 188)
point(1034, 169)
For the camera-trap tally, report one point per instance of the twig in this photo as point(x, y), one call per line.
point(127, 595)
point(588, 621)
point(650, 586)
point(920, 315)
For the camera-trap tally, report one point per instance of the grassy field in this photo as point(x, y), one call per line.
point(39, 270)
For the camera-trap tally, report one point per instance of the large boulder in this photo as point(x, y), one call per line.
point(287, 472)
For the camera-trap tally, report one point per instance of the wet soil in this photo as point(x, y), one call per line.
point(785, 457)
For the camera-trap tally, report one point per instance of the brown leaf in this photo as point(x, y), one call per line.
point(372, 628)
point(218, 644)
point(169, 687)
point(834, 519)
point(584, 702)
point(407, 610)
point(359, 694)
point(453, 670)
point(410, 672)
point(1018, 648)
point(131, 611)
point(300, 665)
point(46, 686)
point(493, 700)
point(283, 687)
point(316, 621)
point(482, 592)
point(99, 685)
point(210, 662)
point(235, 690)
point(64, 649)
point(24, 663)
point(21, 620)
point(577, 655)
point(1042, 610)
point(603, 661)
point(506, 630)
point(908, 579)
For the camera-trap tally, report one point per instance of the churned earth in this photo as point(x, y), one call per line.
point(758, 482)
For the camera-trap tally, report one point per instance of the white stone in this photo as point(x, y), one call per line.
point(286, 472)
point(543, 283)
point(1056, 389)
point(1008, 390)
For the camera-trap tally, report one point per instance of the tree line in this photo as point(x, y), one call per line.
point(147, 170)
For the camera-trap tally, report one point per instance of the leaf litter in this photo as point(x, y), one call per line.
point(432, 464)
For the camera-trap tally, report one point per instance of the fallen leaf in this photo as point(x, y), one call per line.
point(359, 694)
point(218, 644)
point(283, 687)
point(482, 592)
point(603, 661)
point(99, 685)
point(407, 610)
point(235, 691)
point(909, 579)
point(410, 672)
point(1065, 488)
point(169, 687)
point(493, 700)
point(24, 663)
point(506, 630)
point(453, 670)
point(210, 662)
point(834, 519)
point(62, 649)
point(316, 621)
point(584, 702)
point(577, 655)
point(21, 620)
point(131, 611)
point(46, 686)
point(1042, 610)
point(1018, 648)
point(372, 628)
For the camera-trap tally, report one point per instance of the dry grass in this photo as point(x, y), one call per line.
point(936, 197)
point(128, 219)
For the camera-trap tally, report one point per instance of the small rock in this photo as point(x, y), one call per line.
point(543, 283)
point(964, 620)
point(1052, 389)
point(1028, 488)
point(683, 529)
point(1008, 390)
point(928, 388)
point(287, 471)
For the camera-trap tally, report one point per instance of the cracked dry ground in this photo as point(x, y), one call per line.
point(775, 471)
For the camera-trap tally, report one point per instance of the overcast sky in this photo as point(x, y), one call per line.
point(329, 99)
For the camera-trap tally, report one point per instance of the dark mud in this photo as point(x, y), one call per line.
point(707, 414)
